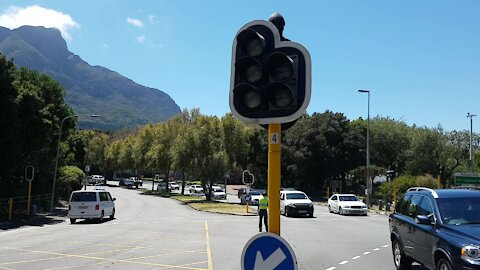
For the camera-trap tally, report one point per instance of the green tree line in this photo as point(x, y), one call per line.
point(318, 149)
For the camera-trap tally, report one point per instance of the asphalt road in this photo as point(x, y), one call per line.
point(150, 232)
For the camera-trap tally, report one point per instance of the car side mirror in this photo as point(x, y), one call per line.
point(114, 199)
point(421, 219)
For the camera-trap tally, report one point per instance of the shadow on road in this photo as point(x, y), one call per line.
point(39, 220)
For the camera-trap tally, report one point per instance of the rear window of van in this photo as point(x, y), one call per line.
point(84, 197)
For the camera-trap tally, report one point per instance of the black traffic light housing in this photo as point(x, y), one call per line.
point(271, 79)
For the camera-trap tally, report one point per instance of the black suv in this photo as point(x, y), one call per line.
point(439, 229)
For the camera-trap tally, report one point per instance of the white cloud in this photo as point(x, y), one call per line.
point(14, 17)
point(141, 39)
point(135, 22)
point(153, 19)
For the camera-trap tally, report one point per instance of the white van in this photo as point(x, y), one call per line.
point(294, 202)
point(91, 204)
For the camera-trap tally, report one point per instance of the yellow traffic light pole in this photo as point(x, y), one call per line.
point(274, 150)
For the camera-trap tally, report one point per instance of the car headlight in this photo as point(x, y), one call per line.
point(292, 205)
point(470, 253)
point(346, 206)
point(364, 207)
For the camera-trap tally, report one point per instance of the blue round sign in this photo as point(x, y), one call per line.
point(248, 197)
point(268, 251)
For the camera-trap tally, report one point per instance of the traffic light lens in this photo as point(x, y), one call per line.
point(251, 42)
point(280, 66)
point(250, 96)
point(279, 95)
point(250, 69)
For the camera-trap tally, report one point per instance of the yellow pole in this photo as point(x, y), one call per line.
point(10, 207)
point(29, 196)
point(274, 147)
point(247, 207)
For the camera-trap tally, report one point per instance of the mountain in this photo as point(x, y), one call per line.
point(119, 101)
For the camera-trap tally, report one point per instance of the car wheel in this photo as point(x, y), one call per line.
point(72, 220)
point(101, 217)
point(310, 214)
point(444, 264)
point(286, 211)
point(402, 261)
point(330, 209)
point(340, 211)
point(112, 216)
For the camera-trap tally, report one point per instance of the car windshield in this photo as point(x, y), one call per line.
point(84, 197)
point(460, 211)
point(296, 196)
point(219, 190)
point(348, 198)
point(253, 193)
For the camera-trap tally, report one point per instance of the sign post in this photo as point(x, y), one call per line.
point(29, 174)
point(274, 148)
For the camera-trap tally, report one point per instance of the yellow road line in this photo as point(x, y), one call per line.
point(105, 259)
point(32, 260)
point(187, 264)
point(166, 254)
point(209, 251)
point(76, 266)
point(5, 268)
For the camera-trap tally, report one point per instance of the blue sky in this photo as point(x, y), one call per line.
point(419, 59)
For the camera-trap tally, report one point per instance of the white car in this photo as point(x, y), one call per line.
point(252, 198)
point(173, 185)
point(96, 179)
point(195, 189)
point(346, 204)
point(294, 202)
point(218, 193)
point(91, 204)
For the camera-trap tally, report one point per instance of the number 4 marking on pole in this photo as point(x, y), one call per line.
point(275, 139)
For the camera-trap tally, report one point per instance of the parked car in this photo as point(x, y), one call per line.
point(124, 182)
point(91, 204)
point(254, 196)
point(346, 204)
point(436, 228)
point(173, 185)
point(294, 202)
point(195, 189)
point(96, 179)
point(218, 193)
point(137, 182)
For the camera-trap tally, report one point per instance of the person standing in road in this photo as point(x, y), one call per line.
point(262, 212)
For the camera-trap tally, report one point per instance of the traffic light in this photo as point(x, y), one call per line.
point(271, 79)
point(248, 178)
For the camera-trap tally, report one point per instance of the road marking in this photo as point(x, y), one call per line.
point(385, 246)
point(356, 257)
point(166, 254)
point(365, 253)
point(209, 251)
point(105, 259)
point(331, 268)
point(376, 249)
point(344, 262)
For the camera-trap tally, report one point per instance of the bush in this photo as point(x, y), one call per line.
point(403, 183)
point(70, 179)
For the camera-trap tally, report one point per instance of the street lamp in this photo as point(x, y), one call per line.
point(471, 115)
point(369, 183)
point(58, 153)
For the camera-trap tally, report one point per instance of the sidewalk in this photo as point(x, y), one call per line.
point(41, 219)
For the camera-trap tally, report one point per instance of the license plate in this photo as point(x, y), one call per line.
point(82, 207)
point(302, 211)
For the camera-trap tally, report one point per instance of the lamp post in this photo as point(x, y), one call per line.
point(369, 183)
point(471, 115)
point(58, 153)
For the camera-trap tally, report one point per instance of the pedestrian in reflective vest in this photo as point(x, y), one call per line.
point(262, 212)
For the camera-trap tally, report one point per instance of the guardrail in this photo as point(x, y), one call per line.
point(9, 207)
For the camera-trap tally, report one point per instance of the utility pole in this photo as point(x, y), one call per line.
point(471, 115)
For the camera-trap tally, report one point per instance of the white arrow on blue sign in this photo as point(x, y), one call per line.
point(268, 251)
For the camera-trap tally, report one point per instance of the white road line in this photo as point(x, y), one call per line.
point(376, 249)
point(344, 262)
point(365, 253)
point(385, 246)
point(356, 257)
point(331, 268)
